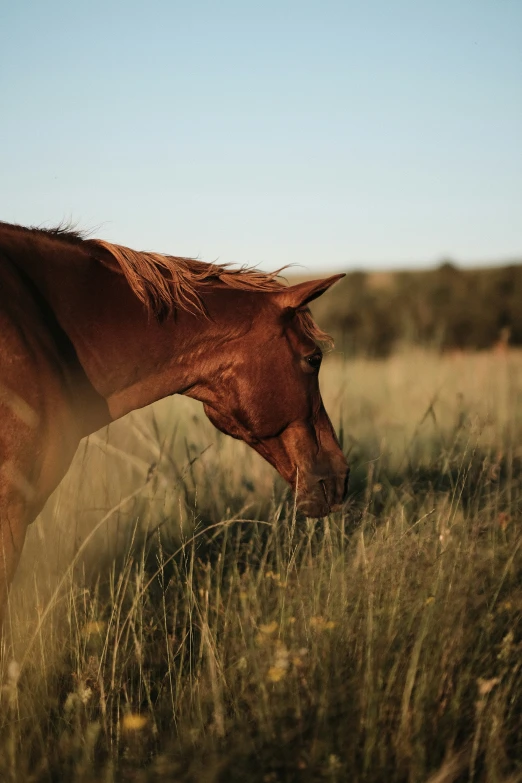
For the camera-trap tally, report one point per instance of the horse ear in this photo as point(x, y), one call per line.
point(300, 295)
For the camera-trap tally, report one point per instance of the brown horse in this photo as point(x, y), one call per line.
point(90, 331)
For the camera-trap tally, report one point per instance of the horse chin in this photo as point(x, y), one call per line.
point(316, 504)
point(324, 496)
point(314, 508)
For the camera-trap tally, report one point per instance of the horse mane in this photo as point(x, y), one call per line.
point(165, 283)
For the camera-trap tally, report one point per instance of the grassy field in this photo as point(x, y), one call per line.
point(174, 620)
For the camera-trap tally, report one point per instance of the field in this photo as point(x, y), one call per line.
point(174, 619)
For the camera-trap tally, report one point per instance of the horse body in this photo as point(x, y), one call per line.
point(40, 415)
point(91, 331)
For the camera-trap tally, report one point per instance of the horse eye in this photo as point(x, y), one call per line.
point(314, 360)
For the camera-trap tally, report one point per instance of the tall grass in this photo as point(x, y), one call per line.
point(174, 619)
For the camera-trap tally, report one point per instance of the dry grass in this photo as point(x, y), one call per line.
point(173, 620)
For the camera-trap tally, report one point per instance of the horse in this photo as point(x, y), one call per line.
point(90, 330)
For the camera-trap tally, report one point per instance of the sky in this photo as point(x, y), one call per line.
point(331, 135)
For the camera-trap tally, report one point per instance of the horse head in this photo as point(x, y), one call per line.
point(262, 386)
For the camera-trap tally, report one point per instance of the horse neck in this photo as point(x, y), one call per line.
point(130, 359)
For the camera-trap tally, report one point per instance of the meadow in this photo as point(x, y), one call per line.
point(175, 619)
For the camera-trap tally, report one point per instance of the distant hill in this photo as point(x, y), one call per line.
point(372, 313)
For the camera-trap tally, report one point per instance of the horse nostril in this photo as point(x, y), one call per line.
point(346, 482)
point(323, 487)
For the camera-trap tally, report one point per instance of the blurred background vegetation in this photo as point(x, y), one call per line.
point(174, 620)
point(447, 308)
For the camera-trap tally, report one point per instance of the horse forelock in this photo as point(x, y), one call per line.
point(313, 332)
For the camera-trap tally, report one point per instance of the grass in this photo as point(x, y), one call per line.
point(173, 618)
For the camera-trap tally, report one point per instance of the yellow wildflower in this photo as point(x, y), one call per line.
point(134, 722)
point(269, 629)
point(94, 627)
point(320, 624)
point(275, 674)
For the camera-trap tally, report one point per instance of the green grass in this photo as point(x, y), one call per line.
point(173, 619)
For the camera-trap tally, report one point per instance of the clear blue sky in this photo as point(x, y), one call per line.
point(331, 134)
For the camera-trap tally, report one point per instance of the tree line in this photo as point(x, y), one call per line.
point(446, 308)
